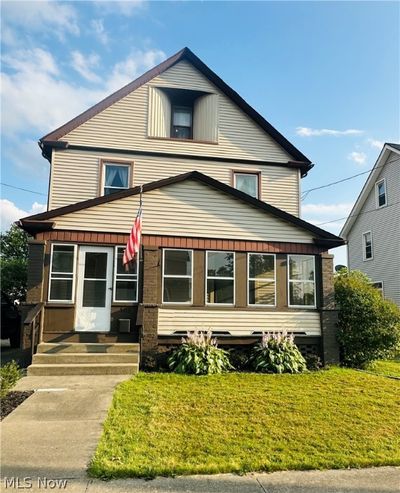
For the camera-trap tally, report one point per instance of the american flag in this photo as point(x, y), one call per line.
point(133, 245)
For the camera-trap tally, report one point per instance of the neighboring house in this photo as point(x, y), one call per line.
point(223, 245)
point(373, 228)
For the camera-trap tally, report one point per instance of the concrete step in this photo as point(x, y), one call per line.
point(65, 358)
point(83, 369)
point(93, 347)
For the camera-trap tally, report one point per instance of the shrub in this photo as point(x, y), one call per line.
point(313, 362)
point(199, 355)
point(10, 373)
point(277, 353)
point(369, 326)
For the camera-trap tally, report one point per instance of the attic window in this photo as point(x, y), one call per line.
point(182, 114)
point(116, 177)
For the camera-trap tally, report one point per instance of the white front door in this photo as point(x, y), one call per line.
point(94, 293)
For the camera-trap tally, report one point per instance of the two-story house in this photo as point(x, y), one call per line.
point(373, 226)
point(223, 246)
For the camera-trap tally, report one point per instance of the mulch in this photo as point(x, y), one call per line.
point(11, 401)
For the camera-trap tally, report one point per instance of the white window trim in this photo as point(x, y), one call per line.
point(72, 300)
point(314, 282)
point(260, 279)
point(176, 276)
point(253, 173)
point(383, 180)
point(365, 259)
point(115, 163)
point(114, 300)
point(221, 278)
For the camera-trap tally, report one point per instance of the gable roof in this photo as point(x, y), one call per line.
point(185, 54)
point(41, 221)
point(368, 186)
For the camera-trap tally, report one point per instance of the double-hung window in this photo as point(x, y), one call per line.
point(62, 273)
point(380, 191)
point(116, 177)
point(261, 279)
point(368, 253)
point(182, 117)
point(177, 276)
point(247, 183)
point(220, 268)
point(125, 280)
point(301, 280)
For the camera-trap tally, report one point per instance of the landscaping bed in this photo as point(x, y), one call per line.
point(168, 424)
point(11, 401)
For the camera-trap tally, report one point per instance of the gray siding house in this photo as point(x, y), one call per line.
point(372, 229)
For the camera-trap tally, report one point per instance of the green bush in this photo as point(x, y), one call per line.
point(199, 355)
point(369, 326)
point(10, 373)
point(277, 353)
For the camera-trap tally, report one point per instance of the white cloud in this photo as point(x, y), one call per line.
point(326, 210)
point(316, 132)
point(11, 213)
point(121, 7)
point(43, 16)
point(36, 98)
point(83, 65)
point(98, 28)
point(357, 157)
point(377, 144)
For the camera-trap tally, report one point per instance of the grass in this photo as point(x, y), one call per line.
point(168, 424)
point(389, 367)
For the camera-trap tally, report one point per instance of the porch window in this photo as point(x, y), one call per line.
point(125, 281)
point(261, 279)
point(247, 183)
point(116, 177)
point(177, 276)
point(301, 279)
point(220, 268)
point(62, 269)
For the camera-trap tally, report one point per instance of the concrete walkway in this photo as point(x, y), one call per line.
point(54, 433)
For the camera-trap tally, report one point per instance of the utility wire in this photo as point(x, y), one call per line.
point(23, 189)
point(354, 215)
point(306, 192)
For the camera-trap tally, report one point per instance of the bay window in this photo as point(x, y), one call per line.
point(177, 276)
point(261, 279)
point(301, 280)
point(125, 279)
point(62, 273)
point(220, 277)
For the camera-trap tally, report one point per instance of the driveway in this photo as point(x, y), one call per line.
point(54, 433)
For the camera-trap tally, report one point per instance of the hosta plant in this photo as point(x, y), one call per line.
point(199, 355)
point(277, 353)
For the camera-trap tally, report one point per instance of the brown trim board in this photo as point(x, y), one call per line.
point(182, 242)
point(330, 239)
point(184, 54)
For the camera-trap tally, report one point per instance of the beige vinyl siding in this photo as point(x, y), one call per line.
point(124, 125)
point(75, 176)
point(238, 323)
point(159, 113)
point(185, 209)
point(205, 118)
point(384, 224)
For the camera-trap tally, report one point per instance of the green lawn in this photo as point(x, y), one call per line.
point(167, 424)
point(388, 367)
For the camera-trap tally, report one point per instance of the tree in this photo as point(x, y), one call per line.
point(369, 326)
point(14, 262)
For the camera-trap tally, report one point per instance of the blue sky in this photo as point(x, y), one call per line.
point(325, 74)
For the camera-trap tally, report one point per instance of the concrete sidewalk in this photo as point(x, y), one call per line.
point(54, 433)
